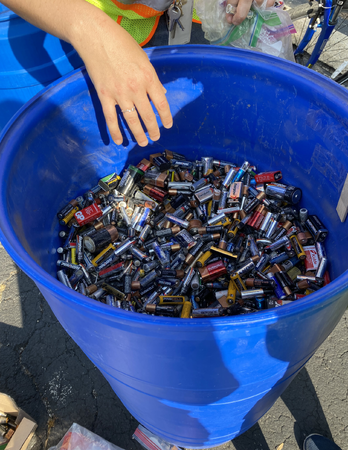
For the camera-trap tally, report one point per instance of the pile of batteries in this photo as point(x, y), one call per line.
point(193, 239)
point(7, 426)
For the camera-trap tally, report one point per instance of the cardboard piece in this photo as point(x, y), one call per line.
point(26, 425)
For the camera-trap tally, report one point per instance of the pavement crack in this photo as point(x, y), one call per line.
point(50, 425)
point(27, 372)
point(95, 396)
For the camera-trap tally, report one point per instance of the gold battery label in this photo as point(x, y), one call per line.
point(103, 254)
point(70, 215)
point(223, 252)
point(301, 254)
point(172, 300)
point(201, 261)
point(239, 283)
point(118, 294)
point(73, 255)
point(233, 231)
point(232, 292)
point(186, 310)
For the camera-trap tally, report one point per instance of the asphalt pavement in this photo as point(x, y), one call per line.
point(53, 381)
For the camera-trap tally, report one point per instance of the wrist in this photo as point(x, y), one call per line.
point(88, 22)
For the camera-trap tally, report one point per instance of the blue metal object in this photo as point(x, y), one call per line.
point(306, 38)
point(196, 383)
point(326, 29)
point(30, 60)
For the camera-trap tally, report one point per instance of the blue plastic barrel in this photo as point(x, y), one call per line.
point(196, 383)
point(30, 60)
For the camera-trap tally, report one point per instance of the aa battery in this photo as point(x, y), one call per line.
point(144, 233)
point(68, 265)
point(62, 277)
point(277, 244)
point(161, 254)
point(181, 223)
point(245, 166)
point(216, 219)
point(228, 179)
point(178, 185)
point(199, 184)
point(253, 293)
point(67, 209)
point(207, 312)
point(124, 247)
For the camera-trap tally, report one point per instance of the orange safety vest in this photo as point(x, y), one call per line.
point(138, 17)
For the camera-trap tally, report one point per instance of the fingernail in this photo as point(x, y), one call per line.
point(155, 138)
point(119, 141)
point(143, 143)
point(229, 18)
point(168, 125)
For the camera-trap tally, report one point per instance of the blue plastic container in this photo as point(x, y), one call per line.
point(196, 383)
point(30, 60)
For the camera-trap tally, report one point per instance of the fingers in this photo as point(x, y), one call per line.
point(131, 116)
point(134, 109)
point(161, 104)
point(147, 115)
point(110, 115)
point(145, 111)
point(229, 17)
point(242, 11)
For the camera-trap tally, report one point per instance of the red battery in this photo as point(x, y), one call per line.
point(268, 177)
point(212, 271)
point(155, 192)
point(312, 260)
point(257, 218)
point(88, 214)
point(144, 165)
point(253, 218)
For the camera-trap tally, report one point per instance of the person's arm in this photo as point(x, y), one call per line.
point(120, 70)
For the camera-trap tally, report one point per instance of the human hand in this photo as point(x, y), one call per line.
point(243, 7)
point(122, 74)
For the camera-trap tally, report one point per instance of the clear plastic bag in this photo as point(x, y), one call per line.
point(150, 441)
point(79, 438)
point(267, 29)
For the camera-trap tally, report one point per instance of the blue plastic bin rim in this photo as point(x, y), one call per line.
point(7, 14)
point(39, 275)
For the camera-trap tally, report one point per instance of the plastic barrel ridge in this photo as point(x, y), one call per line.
point(30, 60)
point(196, 383)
